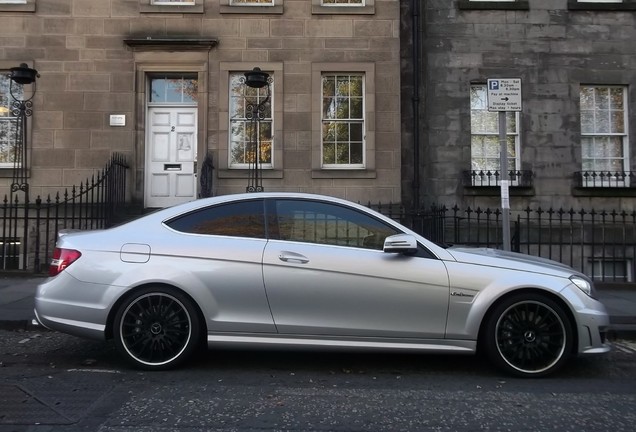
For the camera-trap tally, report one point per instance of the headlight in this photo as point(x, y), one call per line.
point(583, 284)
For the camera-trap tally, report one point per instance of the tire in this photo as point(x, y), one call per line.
point(528, 335)
point(157, 328)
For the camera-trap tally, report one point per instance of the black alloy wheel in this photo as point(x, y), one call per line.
point(529, 335)
point(158, 328)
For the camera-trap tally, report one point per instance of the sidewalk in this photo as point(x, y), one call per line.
point(17, 293)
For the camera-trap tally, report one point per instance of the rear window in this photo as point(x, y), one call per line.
point(238, 219)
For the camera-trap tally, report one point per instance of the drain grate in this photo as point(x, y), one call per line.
point(19, 407)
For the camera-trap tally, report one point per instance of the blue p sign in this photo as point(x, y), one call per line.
point(494, 85)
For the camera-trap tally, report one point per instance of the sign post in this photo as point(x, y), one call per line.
point(504, 95)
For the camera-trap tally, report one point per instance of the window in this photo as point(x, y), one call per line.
point(248, 104)
point(604, 145)
point(342, 120)
point(239, 219)
point(335, 7)
point(173, 89)
point(611, 269)
point(602, 5)
point(8, 121)
point(173, 2)
point(252, 2)
point(330, 224)
point(17, 5)
point(484, 140)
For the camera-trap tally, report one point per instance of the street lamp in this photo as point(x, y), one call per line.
point(21, 109)
point(255, 112)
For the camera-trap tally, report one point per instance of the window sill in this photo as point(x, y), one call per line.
point(601, 6)
point(8, 173)
point(343, 174)
point(487, 5)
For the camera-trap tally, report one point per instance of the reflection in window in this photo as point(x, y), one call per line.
point(484, 134)
point(240, 219)
point(252, 2)
point(173, 2)
point(342, 120)
point(343, 2)
point(178, 89)
point(8, 122)
point(243, 130)
point(603, 131)
point(311, 222)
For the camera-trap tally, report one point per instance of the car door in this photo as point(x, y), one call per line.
point(325, 274)
point(222, 246)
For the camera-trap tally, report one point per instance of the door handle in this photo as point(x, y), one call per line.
point(293, 257)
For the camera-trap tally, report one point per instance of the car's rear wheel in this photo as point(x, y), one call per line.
point(157, 328)
point(528, 335)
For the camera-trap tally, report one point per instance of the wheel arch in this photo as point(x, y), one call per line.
point(130, 293)
point(548, 294)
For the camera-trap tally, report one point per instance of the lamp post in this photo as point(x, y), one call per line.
point(21, 109)
point(255, 112)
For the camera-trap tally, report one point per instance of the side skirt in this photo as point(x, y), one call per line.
point(309, 342)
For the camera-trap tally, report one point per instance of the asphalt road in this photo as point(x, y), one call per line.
point(55, 382)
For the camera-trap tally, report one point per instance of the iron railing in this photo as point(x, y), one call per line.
point(30, 227)
point(598, 179)
point(599, 243)
point(481, 178)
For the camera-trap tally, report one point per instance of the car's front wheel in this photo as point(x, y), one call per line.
point(528, 335)
point(157, 328)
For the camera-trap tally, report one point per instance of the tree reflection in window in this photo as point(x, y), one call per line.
point(243, 129)
point(180, 89)
point(240, 219)
point(342, 120)
point(8, 121)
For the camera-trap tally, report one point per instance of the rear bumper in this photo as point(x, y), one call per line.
point(67, 305)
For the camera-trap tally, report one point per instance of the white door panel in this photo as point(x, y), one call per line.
point(331, 290)
point(170, 156)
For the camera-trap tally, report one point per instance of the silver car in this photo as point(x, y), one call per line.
point(300, 270)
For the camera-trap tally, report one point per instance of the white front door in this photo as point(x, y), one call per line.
point(171, 152)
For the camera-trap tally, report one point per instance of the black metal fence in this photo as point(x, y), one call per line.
point(30, 227)
point(599, 243)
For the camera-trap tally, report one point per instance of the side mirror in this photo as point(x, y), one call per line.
point(400, 243)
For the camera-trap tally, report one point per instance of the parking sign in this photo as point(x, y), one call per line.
point(504, 94)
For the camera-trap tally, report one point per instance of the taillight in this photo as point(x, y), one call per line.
point(62, 258)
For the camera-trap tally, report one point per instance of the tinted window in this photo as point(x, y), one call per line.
point(324, 223)
point(240, 219)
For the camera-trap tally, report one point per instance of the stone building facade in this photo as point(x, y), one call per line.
point(162, 82)
point(572, 143)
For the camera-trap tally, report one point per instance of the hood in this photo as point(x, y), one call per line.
point(510, 260)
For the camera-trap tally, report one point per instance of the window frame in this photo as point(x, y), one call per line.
point(612, 181)
point(319, 8)
point(262, 95)
point(147, 6)
point(25, 6)
point(7, 168)
point(348, 121)
point(275, 69)
point(369, 157)
point(516, 134)
point(602, 5)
